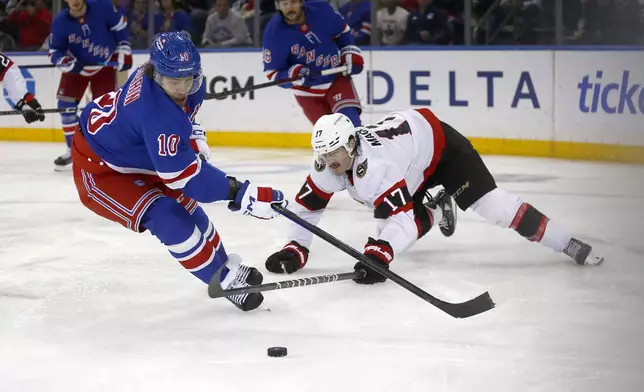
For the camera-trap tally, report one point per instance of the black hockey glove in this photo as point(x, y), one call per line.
point(380, 252)
point(291, 258)
point(31, 109)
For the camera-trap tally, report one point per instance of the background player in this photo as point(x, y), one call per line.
point(134, 164)
point(13, 81)
point(389, 171)
point(357, 13)
point(83, 37)
point(303, 39)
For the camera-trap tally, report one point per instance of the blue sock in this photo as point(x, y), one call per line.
point(176, 229)
point(69, 120)
point(353, 113)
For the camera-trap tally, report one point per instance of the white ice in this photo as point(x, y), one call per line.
point(86, 305)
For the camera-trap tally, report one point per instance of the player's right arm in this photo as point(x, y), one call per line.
point(275, 54)
point(310, 203)
point(58, 47)
point(12, 79)
point(168, 145)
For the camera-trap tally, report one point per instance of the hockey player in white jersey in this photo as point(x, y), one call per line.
point(389, 167)
point(12, 79)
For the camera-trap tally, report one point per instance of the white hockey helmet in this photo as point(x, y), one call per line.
point(331, 132)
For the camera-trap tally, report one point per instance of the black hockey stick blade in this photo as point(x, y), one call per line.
point(472, 307)
point(216, 291)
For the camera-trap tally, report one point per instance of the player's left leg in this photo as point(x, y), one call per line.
point(464, 175)
point(70, 91)
point(207, 228)
point(342, 97)
point(173, 225)
point(199, 217)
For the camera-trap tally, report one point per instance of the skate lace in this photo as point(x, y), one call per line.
point(240, 281)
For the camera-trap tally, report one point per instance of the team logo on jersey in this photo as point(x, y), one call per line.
point(319, 165)
point(86, 30)
point(361, 170)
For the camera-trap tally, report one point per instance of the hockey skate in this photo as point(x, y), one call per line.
point(444, 201)
point(64, 161)
point(240, 275)
point(582, 253)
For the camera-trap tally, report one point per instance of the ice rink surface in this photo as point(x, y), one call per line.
point(86, 305)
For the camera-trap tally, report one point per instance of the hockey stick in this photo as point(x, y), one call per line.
point(58, 110)
point(225, 94)
point(35, 66)
point(470, 308)
point(325, 72)
point(216, 291)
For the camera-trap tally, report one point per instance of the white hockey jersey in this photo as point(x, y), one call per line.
point(393, 26)
point(12, 79)
point(394, 158)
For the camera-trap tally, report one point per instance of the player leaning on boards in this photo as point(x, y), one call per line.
point(11, 78)
point(136, 163)
point(83, 37)
point(389, 166)
point(304, 38)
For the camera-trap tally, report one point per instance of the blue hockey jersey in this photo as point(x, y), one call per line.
point(358, 17)
point(315, 44)
point(90, 38)
point(140, 129)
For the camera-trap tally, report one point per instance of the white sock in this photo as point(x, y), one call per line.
point(555, 237)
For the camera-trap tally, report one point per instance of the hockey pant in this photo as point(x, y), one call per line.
point(463, 174)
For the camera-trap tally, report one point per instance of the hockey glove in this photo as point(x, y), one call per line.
point(380, 252)
point(351, 56)
point(122, 56)
point(31, 109)
point(199, 141)
point(302, 72)
point(255, 201)
point(69, 64)
point(291, 258)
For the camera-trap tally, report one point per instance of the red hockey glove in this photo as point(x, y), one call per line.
point(291, 258)
point(380, 252)
point(69, 64)
point(122, 56)
point(351, 56)
point(31, 109)
point(302, 72)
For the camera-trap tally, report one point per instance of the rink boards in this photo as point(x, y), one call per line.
point(570, 103)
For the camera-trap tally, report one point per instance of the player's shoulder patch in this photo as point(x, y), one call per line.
point(319, 166)
point(361, 169)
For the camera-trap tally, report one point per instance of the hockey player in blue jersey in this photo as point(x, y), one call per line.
point(83, 37)
point(304, 38)
point(136, 163)
point(357, 13)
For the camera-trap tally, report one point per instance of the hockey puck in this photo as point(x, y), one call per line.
point(277, 351)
